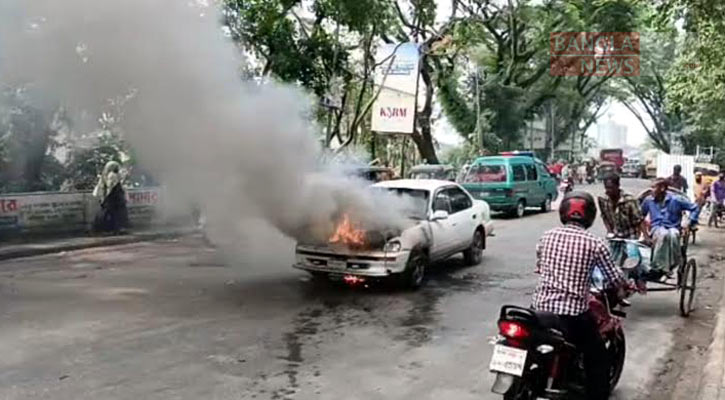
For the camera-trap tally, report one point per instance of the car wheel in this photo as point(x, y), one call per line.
point(520, 209)
point(474, 254)
point(546, 206)
point(414, 274)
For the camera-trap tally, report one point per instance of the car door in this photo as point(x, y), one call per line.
point(463, 217)
point(521, 188)
point(443, 230)
point(537, 192)
point(546, 181)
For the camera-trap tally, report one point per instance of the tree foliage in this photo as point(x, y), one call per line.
point(695, 86)
point(510, 82)
point(28, 137)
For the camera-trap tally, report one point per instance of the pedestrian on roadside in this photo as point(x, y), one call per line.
point(113, 215)
point(582, 173)
point(565, 172)
point(702, 191)
point(718, 200)
point(676, 180)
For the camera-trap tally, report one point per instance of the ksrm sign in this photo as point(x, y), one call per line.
point(397, 77)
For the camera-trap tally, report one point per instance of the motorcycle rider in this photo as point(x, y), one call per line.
point(566, 256)
point(622, 218)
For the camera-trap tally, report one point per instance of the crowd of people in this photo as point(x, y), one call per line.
point(711, 196)
point(577, 172)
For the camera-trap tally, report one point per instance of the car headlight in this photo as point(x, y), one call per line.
point(392, 246)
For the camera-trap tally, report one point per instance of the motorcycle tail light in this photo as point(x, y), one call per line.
point(513, 330)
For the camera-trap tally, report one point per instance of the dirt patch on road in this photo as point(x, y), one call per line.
point(681, 370)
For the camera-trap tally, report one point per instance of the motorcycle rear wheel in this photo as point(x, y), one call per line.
point(519, 391)
point(617, 349)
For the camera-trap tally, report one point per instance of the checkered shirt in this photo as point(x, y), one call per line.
point(624, 218)
point(565, 259)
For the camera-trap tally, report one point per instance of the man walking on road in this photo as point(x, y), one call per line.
point(702, 191)
point(678, 181)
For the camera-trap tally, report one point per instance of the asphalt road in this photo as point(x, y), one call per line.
point(170, 320)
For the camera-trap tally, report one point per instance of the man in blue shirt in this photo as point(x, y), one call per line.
point(665, 212)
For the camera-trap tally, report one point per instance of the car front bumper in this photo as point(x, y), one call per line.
point(370, 264)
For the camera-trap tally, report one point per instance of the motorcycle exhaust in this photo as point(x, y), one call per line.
point(503, 383)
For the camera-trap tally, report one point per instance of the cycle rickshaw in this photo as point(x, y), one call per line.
point(638, 256)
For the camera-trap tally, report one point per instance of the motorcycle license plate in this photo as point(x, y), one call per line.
point(508, 360)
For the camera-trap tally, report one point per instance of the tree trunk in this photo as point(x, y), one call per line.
point(423, 137)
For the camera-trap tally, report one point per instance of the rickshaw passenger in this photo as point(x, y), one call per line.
point(665, 212)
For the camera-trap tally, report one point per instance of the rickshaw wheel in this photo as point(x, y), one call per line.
point(687, 284)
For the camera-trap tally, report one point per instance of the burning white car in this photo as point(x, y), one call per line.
point(443, 220)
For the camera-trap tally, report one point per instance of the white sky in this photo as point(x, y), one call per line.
point(636, 134)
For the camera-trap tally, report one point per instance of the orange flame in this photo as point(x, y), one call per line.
point(347, 234)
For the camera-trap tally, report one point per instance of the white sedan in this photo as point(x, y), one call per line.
point(445, 221)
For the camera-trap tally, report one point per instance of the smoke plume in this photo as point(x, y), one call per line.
point(245, 152)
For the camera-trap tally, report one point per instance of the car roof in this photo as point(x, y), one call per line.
point(431, 167)
point(506, 159)
point(416, 184)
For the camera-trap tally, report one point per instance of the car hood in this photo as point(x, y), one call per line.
point(408, 232)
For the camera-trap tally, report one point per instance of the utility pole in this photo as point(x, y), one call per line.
point(550, 127)
point(479, 134)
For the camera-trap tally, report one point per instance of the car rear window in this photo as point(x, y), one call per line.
point(486, 173)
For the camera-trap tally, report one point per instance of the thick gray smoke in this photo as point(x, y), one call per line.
point(245, 152)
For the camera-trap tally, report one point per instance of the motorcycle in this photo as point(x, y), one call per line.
point(567, 185)
point(533, 360)
point(591, 178)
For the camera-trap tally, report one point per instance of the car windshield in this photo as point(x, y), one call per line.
point(415, 202)
point(486, 173)
point(422, 175)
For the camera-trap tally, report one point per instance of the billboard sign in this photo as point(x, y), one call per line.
point(397, 73)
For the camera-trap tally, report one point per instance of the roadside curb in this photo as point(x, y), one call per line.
point(37, 249)
point(713, 377)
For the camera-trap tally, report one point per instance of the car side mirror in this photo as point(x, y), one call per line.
point(438, 215)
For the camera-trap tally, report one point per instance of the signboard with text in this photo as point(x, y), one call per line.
point(71, 211)
point(397, 72)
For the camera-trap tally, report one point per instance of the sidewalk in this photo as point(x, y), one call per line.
point(18, 250)
point(712, 383)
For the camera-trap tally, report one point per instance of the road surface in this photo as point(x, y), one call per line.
point(170, 320)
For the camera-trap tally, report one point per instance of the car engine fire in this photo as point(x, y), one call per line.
point(348, 234)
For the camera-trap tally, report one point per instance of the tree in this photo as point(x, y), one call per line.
point(329, 52)
point(90, 152)
point(417, 23)
point(28, 139)
point(509, 84)
point(696, 84)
